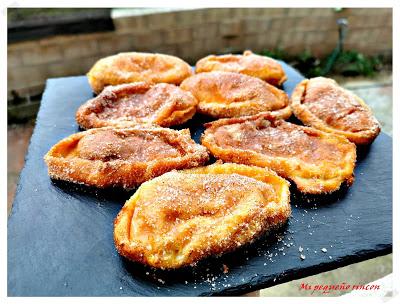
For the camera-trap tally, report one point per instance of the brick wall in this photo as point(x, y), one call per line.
point(192, 34)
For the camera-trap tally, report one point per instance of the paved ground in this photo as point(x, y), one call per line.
point(376, 92)
point(17, 143)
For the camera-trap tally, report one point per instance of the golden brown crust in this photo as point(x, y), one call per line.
point(250, 64)
point(321, 103)
point(182, 217)
point(316, 161)
point(122, 157)
point(137, 67)
point(228, 94)
point(137, 103)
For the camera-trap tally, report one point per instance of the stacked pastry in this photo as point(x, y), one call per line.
point(184, 211)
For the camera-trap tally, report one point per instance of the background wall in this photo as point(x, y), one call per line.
point(192, 34)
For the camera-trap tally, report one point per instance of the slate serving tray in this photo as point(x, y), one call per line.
point(60, 236)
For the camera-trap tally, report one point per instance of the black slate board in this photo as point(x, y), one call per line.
point(60, 237)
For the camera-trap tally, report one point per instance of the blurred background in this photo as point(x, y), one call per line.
point(351, 45)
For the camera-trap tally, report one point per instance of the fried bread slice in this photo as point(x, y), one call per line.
point(122, 157)
point(262, 67)
point(321, 103)
point(136, 67)
point(160, 104)
point(317, 162)
point(184, 216)
point(228, 94)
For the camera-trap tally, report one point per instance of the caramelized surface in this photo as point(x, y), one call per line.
point(250, 64)
point(113, 144)
point(278, 140)
point(137, 67)
point(316, 161)
point(227, 94)
point(321, 103)
point(162, 104)
point(122, 157)
point(184, 216)
point(339, 108)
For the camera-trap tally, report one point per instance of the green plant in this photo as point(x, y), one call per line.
point(352, 63)
point(308, 64)
point(348, 63)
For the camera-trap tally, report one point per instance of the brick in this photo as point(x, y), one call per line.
point(190, 16)
point(180, 35)
point(359, 35)
point(240, 13)
point(363, 22)
point(252, 26)
point(370, 11)
point(162, 20)
point(224, 14)
point(71, 67)
point(117, 43)
point(166, 49)
point(130, 24)
point(355, 21)
point(277, 24)
point(374, 35)
point(216, 14)
point(259, 44)
point(199, 49)
point(322, 12)
point(315, 23)
point(41, 54)
point(379, 20)
point(314, 37)
point(250, 41)
point(290, 39)
point(299, 11)
point(13, 58)
point(25, 45)
point(209, 46)
point(230, 28)
point(385, 37)
point(254, 12)
point(207, 30)
point(388, 20)
point(81, 48)
point(269, 40)
point(95, 36)
point(148, 40)
point(199, 33)
point(273, 12)
point(210, 15)
point(57, 40)
point(85, 64)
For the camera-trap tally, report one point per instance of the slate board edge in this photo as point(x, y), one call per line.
point(295, 274)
